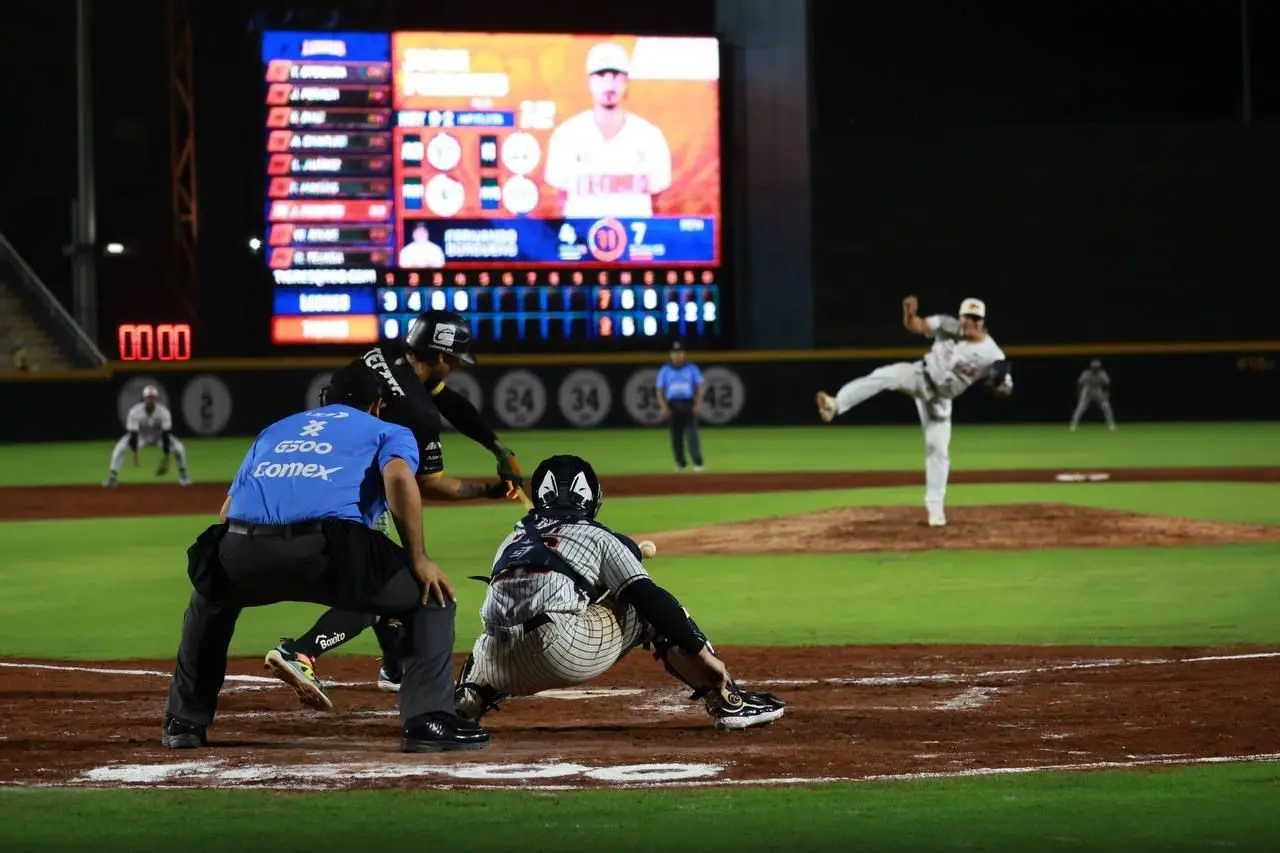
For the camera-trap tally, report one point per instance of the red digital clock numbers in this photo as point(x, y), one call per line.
point(145, 342)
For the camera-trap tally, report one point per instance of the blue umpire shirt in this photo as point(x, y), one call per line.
point(323, 463)
point(679, 383)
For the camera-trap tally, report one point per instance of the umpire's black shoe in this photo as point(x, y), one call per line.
point(179, 734)
point(441, 732)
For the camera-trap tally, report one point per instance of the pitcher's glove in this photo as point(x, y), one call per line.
point(509, 470)
point(998, 374)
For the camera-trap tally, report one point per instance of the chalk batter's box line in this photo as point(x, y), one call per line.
point(862, 681)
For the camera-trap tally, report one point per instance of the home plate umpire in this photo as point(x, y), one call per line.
point(299, 524)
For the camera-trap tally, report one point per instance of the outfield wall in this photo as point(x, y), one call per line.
point(228, 397)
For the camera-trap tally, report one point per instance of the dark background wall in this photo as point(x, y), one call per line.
point(1083, 166)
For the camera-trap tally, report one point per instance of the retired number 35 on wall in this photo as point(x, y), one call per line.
point(562, 191)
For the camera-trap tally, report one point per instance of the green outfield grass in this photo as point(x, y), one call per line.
point(1178, 810)
point(820, 448)
point(107, 589)
point(110, 574)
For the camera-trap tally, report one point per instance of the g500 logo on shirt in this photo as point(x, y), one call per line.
point(295, 446)
point(286, 470)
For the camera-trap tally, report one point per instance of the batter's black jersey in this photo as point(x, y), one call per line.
point(410, 405)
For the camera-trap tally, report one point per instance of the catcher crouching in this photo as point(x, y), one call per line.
point(568, 598)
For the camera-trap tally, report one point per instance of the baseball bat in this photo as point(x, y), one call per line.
point(524, 499)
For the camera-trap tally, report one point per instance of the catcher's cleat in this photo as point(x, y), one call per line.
point(742, 709)
point(387, 682)
point(179, 734)
point(298, 672)
point(826, 407)
point(472, 701)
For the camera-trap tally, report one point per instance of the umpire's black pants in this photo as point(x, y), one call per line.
point(684, 424)
point(338, 563)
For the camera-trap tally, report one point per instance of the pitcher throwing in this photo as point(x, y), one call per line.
point(568, 598)
point(962, 354)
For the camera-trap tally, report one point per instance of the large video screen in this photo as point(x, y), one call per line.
point(553, 188)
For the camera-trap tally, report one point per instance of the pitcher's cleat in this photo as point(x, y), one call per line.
point(826, 407)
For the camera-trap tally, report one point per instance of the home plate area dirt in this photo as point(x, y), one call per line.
point(855, 713)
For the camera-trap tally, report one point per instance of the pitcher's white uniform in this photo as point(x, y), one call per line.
point(608, 177)
point(946, 371)
point(582, 639)
point(148, 429)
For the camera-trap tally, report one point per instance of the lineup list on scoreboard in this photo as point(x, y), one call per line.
point(330, 190)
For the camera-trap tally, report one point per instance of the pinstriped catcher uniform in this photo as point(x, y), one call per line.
point(582, 639)
point(568, 598)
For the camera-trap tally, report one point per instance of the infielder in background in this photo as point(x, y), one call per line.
point(962, 354)
point(568, 598)
point(414, 370)
point(679, 387)
point(1094, 386)
point(149, 424)
point(607, 161)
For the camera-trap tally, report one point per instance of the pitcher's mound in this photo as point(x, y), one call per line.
point(1001, 527)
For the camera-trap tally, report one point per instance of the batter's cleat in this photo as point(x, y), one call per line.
point(179, 734)
point(442, 732)
point(298, 672)
point(386, 682)
point(756, 709)
point(183, 479)
point(826, 407)
point(110, 482)
point(937, 518)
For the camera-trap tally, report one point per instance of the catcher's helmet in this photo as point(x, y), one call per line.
point(441, 331)
point(567, 483)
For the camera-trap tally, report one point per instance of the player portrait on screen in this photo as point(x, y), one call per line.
point(420, 252)
point(607, 161)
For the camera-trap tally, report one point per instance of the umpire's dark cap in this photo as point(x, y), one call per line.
point(441, 331)
point(676, 346)
point(355, 386)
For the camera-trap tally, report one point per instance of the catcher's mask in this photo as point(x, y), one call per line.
point(441, 331)
point(567, 483)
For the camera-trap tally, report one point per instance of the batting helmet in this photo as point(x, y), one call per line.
point(441, 331)
point(567, 483)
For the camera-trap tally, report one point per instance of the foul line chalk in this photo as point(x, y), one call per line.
point(963, 678)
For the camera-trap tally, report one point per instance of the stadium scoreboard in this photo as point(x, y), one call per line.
point(557, 190)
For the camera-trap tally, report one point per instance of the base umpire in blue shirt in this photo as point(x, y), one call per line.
point(299, 524)
point(680, 397)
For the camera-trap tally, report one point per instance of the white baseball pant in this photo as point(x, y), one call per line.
point(573, 649)
point(176, 447)
point(907, 377)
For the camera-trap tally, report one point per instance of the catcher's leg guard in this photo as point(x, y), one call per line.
point(730, 706)
point(471, 699)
